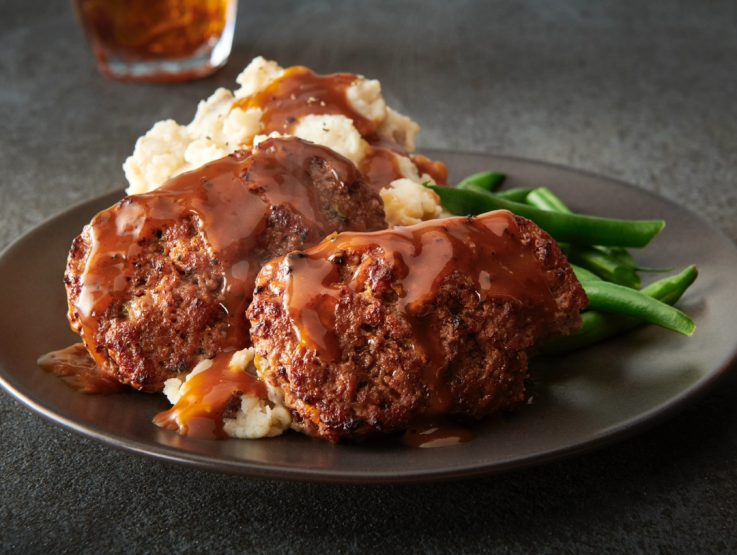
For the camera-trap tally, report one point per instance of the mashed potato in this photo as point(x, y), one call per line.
point(256, 417)
point(218, 129)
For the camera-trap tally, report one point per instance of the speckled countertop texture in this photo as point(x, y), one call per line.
point(640, 91)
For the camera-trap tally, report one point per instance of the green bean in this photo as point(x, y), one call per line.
point(625, 258)
point(582, 274)
point(669, 290)
point(489, 181)
point(610, 297)
point(604, 266)
point(543, 198)
point(597, 326)
point(518, 194)
point(570, 228)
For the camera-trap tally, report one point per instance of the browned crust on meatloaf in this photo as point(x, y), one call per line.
point(377, 386)
point(171, 315)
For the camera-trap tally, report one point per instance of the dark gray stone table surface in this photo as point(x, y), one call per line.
point(641, 91)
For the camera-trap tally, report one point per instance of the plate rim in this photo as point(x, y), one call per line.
point(172, 455)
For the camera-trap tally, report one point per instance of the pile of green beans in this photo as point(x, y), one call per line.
point(597, 250)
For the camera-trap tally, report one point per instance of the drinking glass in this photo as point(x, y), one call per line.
point(158, 40)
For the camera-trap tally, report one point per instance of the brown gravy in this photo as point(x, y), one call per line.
point(531, 397)
point(437, 432)
point(199, 412)
point(485, 249)
point(76, 368)
point(380, 165)
point(300, 92)
point(434, 168)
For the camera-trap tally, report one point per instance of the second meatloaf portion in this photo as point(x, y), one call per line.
point(162, 280)
point(367, 332)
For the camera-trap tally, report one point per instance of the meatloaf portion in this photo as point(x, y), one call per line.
point(367, 332)
point(162, 280)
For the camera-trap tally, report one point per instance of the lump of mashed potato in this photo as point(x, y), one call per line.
point(228, 121)
point(255, 417)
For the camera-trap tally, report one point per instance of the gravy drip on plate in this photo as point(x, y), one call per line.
point(300, 92)
point(437, 432)
point(225, 198)
point(76, 368)
point(486, 250)
point(205, 396)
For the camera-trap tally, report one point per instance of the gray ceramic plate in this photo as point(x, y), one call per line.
point(588, 399)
